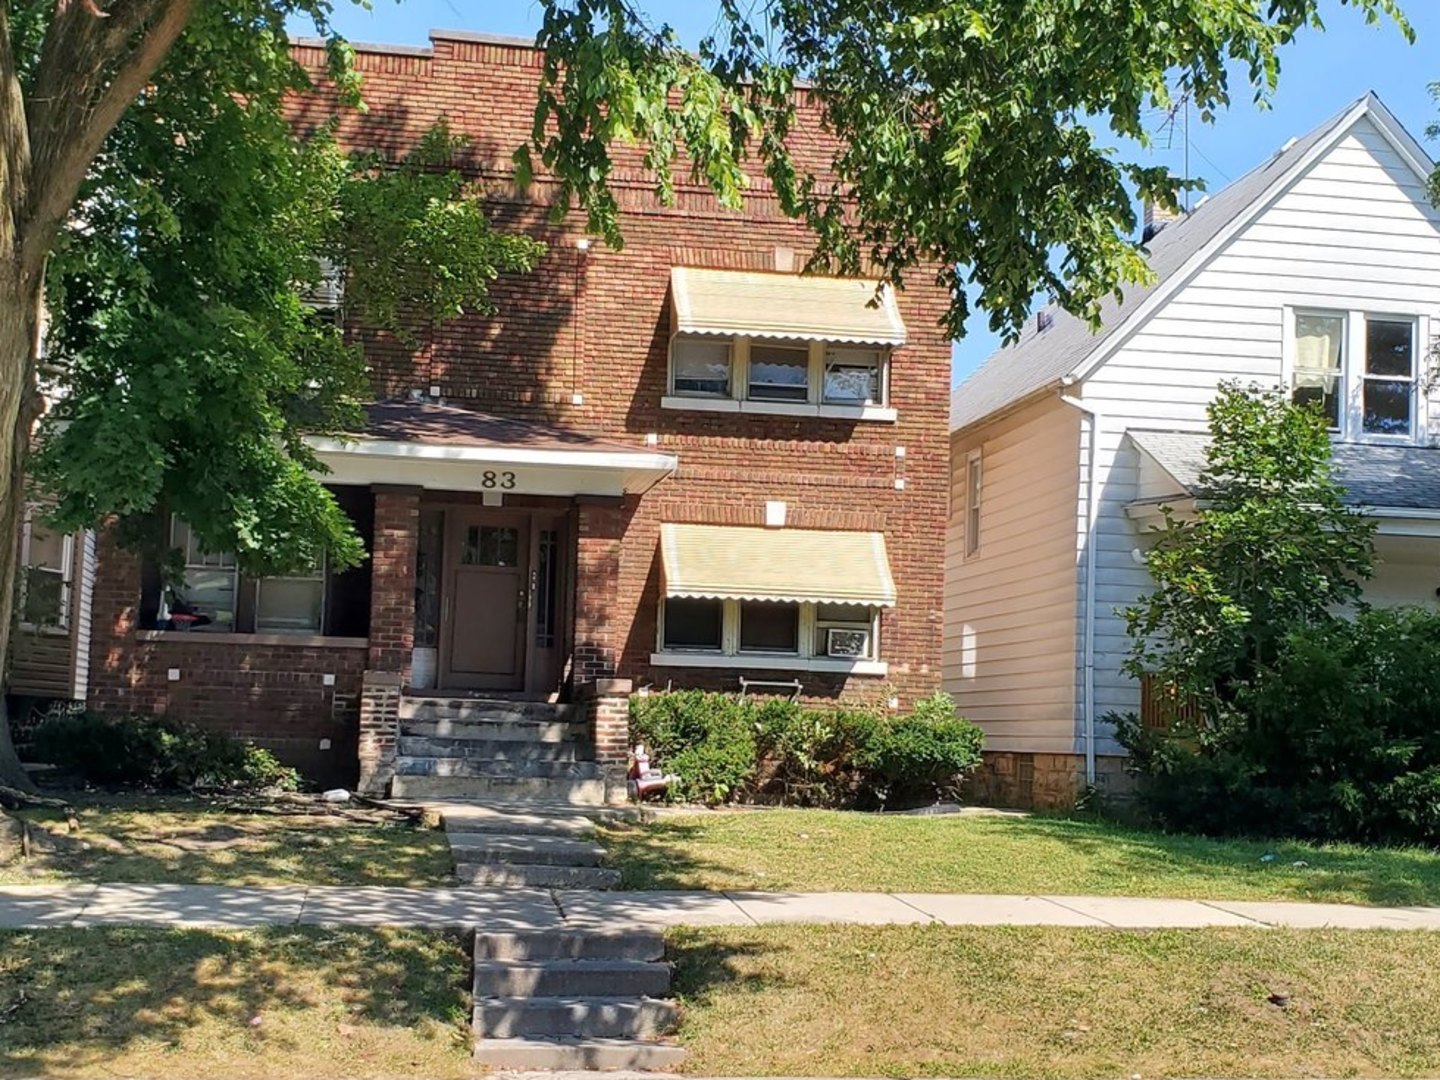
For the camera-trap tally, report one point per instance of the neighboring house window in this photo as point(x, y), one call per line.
point(779, 373)
point(204, 597)
point(46, 559)
point(1360, 370)
point(770, 628)
point(290, 605)
point(701, 367)
point(1319, 372)
point(973, 489)
point(853, 376)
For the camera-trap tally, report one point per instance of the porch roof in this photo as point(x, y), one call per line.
point(435, 445)
point(771, 305)
point(794, 565)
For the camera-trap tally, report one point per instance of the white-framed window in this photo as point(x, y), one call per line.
point(779, 372)
point(1360, 369)
point(974, 492)
point(204, 597)
point(291, 605)
point(47, 560)
point(854, 375)
point(328, 293)
point(775, 631)
point(701, 367)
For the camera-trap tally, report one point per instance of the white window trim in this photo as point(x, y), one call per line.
point(804, 659)
point(67, 576)
point(1352, 371)
point(814, 406)
point(974, 501)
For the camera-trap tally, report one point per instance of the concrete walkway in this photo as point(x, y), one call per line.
point(230, 907)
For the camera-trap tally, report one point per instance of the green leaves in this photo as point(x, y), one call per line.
point(963, 130)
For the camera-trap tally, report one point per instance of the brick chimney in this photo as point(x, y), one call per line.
point(1156, 218)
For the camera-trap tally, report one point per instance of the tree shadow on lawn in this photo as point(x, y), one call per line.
point(75, 999)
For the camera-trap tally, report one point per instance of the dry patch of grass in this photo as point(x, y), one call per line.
point(823, 850)
point(152, 839)
point(1053, 1002)
point(265, 1004)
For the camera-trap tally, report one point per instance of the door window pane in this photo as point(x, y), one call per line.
point(767, 626)
point(1389, 376)
point(1319, 363)
point(779, 373)
point(852, 376)
point(693, 623)
point(491, 545)
point(701, 367)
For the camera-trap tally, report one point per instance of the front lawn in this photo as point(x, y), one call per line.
point(173, 839)
point(262, 1004)
point(1053, 1002)
point(820, 850)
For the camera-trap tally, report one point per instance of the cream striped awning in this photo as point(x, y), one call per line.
point(751, 304)
point(795, 565)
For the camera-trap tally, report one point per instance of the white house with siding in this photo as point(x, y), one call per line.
point(1318, 271)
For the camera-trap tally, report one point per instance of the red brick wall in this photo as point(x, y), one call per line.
point(273, 695)
point(392, 578)
point(597, 324)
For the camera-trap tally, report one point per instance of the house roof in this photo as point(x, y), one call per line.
point(1044, 358)
point(1388, 477)
point(403, 421)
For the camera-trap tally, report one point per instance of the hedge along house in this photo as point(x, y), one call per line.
point(1317, 272)
point(680, 464)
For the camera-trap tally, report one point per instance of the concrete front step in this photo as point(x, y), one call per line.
point(493, 749)
point(510, 788)
point(587, 1054)
point(570, 945)
point(533, 849)
point(442, 706)
point(547, 731)
point(489, 768)
point(535, 875)
point(574, 1017)
point(570, 978)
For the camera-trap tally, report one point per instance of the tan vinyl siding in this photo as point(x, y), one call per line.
point(46, 663)
point(1010, 607)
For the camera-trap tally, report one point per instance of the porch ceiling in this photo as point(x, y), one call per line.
point(445, 447)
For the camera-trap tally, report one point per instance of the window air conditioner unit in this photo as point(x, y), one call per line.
point(847, 642)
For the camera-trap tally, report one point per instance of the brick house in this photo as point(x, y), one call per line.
point(679, 464)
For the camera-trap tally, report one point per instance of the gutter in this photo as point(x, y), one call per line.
point(1092, 518)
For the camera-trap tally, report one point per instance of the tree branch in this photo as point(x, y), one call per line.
point(89, 72)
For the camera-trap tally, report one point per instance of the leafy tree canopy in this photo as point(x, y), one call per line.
point(966, 131)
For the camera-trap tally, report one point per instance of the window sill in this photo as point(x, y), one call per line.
point(48, 630)
point(870, 413)
point(749, 662)
point(202, 637)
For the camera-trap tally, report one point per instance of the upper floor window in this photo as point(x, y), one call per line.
point(1360, 370)
point(974, 481)
point(700, 367)
point(779, 373)
point(854, 376)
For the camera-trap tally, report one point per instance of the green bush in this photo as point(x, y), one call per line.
point(156, 752)
point(726, 749)
point(1337, 739)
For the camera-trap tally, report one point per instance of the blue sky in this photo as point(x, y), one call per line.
point(1321, 74)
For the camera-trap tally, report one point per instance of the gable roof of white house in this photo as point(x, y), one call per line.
point(1067, 350)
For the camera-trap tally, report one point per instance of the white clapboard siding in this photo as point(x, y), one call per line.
point(1355, 232)
point(84, 617)
point(1010, 608)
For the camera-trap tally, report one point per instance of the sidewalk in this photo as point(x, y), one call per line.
point(231, 907)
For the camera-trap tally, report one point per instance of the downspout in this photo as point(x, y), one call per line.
point(1092, 518)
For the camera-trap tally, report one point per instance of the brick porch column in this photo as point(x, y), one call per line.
point(392, 631)
point(604, 698)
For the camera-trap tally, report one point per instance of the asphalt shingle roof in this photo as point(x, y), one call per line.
point(1042, 357)
point(1398, 477)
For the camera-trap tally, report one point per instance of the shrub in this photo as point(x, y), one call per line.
point(156, 752)
point(1339, 738)
point(726, 748)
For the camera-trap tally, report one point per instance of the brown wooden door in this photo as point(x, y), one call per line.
point(484, 601)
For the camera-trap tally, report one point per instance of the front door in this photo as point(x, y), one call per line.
point(485, 594)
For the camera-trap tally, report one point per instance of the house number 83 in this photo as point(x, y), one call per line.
point(505, 481)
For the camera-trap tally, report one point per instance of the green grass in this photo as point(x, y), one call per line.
point(297, 1003)
point(174, 839)
point(818, 850)
point(1052, 1002)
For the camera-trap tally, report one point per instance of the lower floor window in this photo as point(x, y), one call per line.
point(46, 559)
point(290, 605)
point(769, 628)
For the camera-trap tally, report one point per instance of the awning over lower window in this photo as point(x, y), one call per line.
point(795, 565)
point(749, 304)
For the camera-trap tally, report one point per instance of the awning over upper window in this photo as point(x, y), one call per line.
point(795, 565)
point(750, 304)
